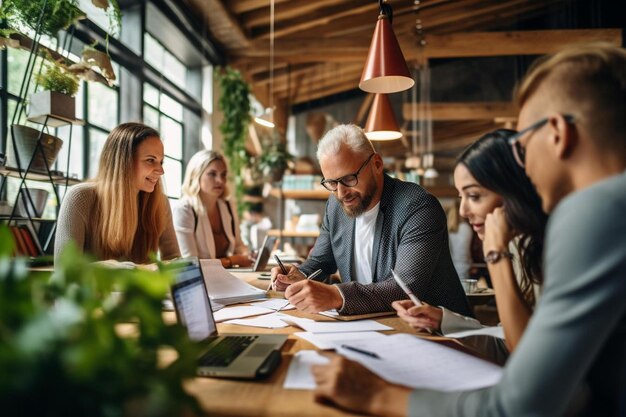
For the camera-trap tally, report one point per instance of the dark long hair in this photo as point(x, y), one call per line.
point(491, 162)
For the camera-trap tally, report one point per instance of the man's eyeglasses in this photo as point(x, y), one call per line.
point(519, 151)
point(350, 180)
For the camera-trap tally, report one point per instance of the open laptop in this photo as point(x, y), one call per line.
point(263, 257)
point(232, 355)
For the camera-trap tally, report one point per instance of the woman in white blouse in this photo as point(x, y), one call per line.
point(205, 220)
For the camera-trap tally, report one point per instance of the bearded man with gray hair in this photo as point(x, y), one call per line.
point(373, 223)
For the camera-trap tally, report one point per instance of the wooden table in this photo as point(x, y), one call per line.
point(224, 397)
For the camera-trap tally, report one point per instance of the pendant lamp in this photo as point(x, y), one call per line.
point(381, 123)
point(385, 69)
point(267, 118)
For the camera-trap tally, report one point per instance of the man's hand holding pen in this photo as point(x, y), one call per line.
point(280, 280)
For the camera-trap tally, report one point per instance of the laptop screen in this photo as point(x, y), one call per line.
point(192, 304)
point(264, 253)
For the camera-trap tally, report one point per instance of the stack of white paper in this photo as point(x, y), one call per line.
point(410, 361)
point(335, 327)
point(326, 341)
point(225, 288)
point(268, 321)
point(238, 312)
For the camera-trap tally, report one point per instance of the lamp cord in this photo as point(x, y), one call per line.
point(271, 60)
point(385, 9)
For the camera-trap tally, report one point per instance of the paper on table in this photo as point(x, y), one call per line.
point(237, 312)
point(275, 304)
point(335, 327)
point(495, 331)
point(410, 361)
point(269, 321)
point(299, 373)
point(225, 288)
point(332, 340)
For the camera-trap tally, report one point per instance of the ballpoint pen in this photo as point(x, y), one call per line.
point(408, 292)
point(361, 351)
point(314, 274)
point(282, 269)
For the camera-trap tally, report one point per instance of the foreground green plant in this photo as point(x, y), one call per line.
point(65, 348)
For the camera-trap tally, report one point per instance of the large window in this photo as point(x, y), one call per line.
point(164, 114)
point(172, 91)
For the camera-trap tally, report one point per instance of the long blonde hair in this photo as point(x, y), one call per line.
point(127, 225)
point(191, 184)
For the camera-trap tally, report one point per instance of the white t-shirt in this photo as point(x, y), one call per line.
point(364, 230)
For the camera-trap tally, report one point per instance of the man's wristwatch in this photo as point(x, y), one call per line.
point(494, 256)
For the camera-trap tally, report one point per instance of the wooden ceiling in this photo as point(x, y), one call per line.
point(320, 46)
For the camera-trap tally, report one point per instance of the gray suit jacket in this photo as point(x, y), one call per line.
point(576, 340)
point(411, 237)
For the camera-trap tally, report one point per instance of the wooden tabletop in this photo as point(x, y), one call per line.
point(267, 397)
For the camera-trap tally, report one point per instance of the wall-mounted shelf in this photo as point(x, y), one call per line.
point(58, 179)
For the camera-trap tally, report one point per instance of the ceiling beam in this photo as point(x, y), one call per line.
point(293, 9)
point(533, 42)
point(464, 111)
point(242, 6)
point(223, 25)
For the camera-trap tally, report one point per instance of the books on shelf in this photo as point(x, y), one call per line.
point(300, 182)
point(25, 242)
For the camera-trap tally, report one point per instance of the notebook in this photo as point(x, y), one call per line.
point(231, 355)
point(262, 257)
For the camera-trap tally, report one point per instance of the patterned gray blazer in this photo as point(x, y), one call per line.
point(411, 237)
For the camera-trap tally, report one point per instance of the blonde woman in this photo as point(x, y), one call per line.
point(122, 214)
point(205, 220)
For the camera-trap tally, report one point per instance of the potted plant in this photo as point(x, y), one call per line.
point(57, 97)
point(63, 352)
point(274, 160)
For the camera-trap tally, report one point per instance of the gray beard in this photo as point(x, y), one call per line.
point(366, 200)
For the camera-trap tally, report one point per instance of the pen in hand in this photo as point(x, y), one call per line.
point(314, 274)
point(408, 292)
point(283, 270)
point(361, 351)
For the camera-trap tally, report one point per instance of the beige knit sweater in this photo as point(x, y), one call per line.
point(74, 224)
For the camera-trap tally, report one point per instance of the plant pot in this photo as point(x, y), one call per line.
point(39, 198)
point(26, 139)
point(53, 104)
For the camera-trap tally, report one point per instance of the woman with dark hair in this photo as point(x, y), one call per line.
point(503, 208)
point(122, 213)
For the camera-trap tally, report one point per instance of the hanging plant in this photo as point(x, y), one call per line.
point(57, 14)
point(234, 102)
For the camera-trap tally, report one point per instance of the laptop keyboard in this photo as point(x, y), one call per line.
point(224, 352)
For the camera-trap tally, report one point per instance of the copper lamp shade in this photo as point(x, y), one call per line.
point(381, 123)
point(385, 69)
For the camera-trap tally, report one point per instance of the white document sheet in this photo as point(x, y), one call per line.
point(335, 327)
point(495, 331)
point(299, 373)
point(237, 312)
point(268, 321)
point(332, 340)
point(410, 361)
point(225, 288)
point(275, 304)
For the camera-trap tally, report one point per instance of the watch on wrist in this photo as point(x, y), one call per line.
point(494, 256)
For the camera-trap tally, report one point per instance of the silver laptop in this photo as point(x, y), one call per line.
point(232, 355)
point(263, 257)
